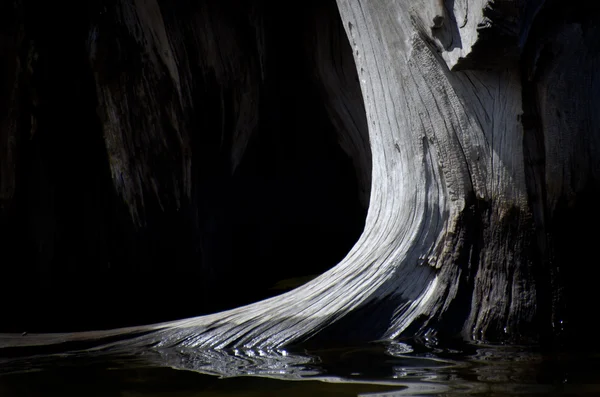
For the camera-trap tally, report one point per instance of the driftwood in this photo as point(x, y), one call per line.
point(483, 137)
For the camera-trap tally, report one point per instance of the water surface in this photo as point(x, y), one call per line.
point(384, 369)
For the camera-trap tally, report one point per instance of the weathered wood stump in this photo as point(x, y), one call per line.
point(482, 159)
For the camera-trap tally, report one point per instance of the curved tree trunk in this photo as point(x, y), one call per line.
point(483, 140)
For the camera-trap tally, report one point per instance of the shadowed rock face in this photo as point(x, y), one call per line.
point(160, 158)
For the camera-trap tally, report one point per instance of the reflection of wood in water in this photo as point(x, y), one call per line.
point(291, 283)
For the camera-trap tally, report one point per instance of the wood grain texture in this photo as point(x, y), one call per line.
point(468, 162)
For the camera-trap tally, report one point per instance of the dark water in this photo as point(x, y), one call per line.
point(396, 369)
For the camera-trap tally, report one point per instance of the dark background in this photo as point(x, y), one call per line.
point(73, 256)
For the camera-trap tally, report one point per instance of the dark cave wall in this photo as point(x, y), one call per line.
point(160, 158)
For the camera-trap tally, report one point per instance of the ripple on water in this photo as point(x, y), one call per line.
point(382, 369)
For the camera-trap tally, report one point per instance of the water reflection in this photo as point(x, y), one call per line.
point(384, 369)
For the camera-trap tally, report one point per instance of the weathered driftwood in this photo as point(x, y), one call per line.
point(471, 155)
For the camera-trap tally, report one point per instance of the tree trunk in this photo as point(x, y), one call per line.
point(483, 140)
